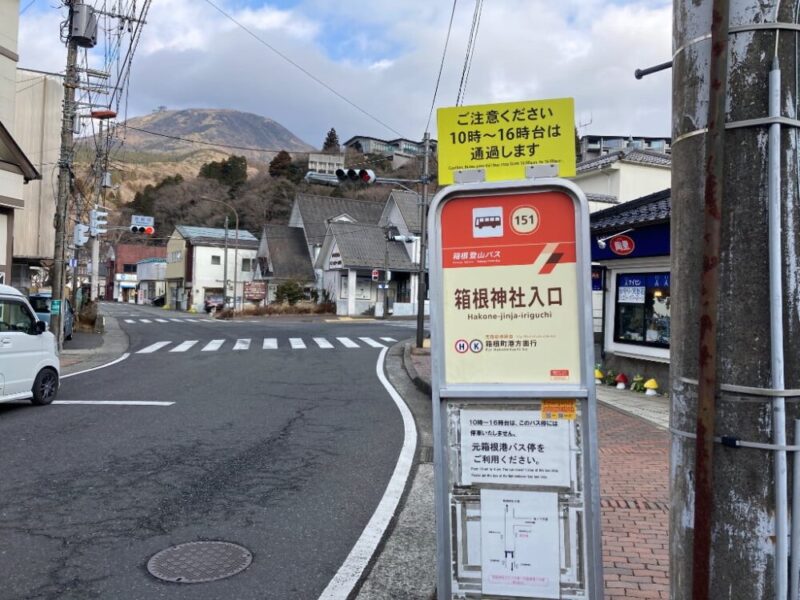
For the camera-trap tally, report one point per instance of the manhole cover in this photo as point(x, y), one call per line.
point(197, 562)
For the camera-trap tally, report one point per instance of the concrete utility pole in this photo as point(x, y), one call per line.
point(423, 220)
point(64, 174)
point(735, 298)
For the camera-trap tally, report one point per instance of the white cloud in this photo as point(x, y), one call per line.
point(384, 56)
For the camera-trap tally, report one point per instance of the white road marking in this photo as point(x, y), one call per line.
point(348, 575)
point(115, 402)
point(113, 362)
point(162, 320)
point(153, 347)
point(177, 320)
point(371, 342)
point(184, 346)
point(388, 339)
point(323, 343)
point(270, 344)
point(145, 320)
point(347, 342)
point(130, 321)
point(297, 343)
point(191, 320)
point(242, 344)
point(213, 346)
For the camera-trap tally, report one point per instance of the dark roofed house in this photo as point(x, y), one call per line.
point(623, 175)
point(283, 256)
point(351, 254)
point(402, 211)
point(313, 213)
point(631, 277)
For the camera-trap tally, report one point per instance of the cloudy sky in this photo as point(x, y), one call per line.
point(383, 56)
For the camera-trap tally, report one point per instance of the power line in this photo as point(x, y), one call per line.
point(473, 35)
point(441, 66)
point(302, 69)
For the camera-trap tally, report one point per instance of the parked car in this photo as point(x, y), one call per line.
point(29, 365)
point(41, 305)
point(159, 300)
point(213, 303)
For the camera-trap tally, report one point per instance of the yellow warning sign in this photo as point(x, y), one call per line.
point(559, 409)
point(504, 138)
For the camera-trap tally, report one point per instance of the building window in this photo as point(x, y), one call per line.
point(216, 260)
point(247, 264)
point(129, 268)
point(642, 314)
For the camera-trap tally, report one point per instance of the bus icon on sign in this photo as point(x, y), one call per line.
point(487, 222)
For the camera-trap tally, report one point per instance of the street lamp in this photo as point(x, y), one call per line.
point(235, 251)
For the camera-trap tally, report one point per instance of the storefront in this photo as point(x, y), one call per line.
point(631, 279)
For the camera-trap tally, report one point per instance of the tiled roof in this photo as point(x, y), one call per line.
point(647, 210)
point(408, 204)
point(316, 210)
point(288, 253)
point(633, 155)
point(603, 198)
point(365, 246)
point(212, 236)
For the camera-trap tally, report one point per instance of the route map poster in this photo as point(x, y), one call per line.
point(510, 289)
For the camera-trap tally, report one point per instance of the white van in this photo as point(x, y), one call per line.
point(29, 366)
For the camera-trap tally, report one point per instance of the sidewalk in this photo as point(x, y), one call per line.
point(90, 353)
point(634, 474)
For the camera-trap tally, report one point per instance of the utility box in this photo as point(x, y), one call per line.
point(84, 26)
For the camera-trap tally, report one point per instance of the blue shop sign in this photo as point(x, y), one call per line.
point(647, 241)
point(654, 280)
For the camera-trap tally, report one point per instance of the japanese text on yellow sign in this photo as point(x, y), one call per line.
point(504, 138)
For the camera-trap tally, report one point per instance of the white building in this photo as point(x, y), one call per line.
point(325, 163)
point(196, 260)
point(16, 169)
point(626, 174)
point(151, 275)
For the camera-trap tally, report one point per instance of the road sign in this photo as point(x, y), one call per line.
point(515, 433)
point(505, 138)
point(55, 307)
point(142, 221)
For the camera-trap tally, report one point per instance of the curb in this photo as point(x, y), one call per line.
point(115, 344)
point(408, 364)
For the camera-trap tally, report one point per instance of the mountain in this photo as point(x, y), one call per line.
point(212, 126)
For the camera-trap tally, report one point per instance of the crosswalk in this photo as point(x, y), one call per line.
point(270, 343)
point(152, 320)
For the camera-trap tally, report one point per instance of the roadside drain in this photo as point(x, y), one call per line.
point(199, 562)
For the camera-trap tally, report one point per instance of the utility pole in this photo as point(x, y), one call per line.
point(423, 224)
point(64, 174)
point(98, 174)
point(735, 300)
point(225, 268)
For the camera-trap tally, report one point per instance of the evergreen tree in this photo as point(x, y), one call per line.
point(331, 144)
point(231, 172)
point(281, 164)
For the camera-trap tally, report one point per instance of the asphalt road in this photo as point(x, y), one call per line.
point(283, 447)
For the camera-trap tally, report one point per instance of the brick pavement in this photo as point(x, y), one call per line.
point(634, 499)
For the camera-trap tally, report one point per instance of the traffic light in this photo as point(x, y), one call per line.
point(362, 175)
point(97, 219)
point(80, 234)
point(147, 230)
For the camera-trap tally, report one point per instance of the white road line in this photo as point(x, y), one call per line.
point(388, 339)
point(130, 321)
point(371, 342)
point(145, 320)
point(213, 346)
point(162, 320)
point(323, 343)
point(270, 344)
point(192, 320)
point(184, 346)
point(346, 578)
point(153, 347)
point(242, 344)
point(297, 343)
point(113, 362)
point(347, 342)
point(176, 320)
point(115, 402)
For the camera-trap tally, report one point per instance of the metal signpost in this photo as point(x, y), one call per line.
point(514, 416)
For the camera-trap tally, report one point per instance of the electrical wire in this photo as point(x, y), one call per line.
point(473, 35)
point(441, 65)
point(302, 69)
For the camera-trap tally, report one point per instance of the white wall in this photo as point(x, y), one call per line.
point(9, 30)
point(209, 276)
point(638, 180)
